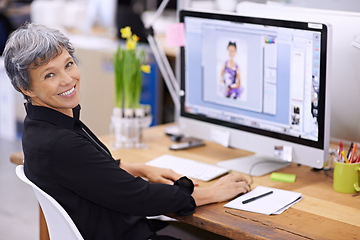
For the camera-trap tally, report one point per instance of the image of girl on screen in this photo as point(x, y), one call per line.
point(230, 74)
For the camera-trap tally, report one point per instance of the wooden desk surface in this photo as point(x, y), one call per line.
point(322, 214)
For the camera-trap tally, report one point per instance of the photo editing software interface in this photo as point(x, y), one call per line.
point(260, 76)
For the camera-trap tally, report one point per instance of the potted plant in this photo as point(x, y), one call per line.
point(129, 117)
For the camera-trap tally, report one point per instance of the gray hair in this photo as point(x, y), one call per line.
point(36, 45)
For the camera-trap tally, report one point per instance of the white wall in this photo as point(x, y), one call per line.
point(340, 5)
point(7, 106)
point(343, 5)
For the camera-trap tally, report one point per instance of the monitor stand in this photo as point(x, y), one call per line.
point(255, 165)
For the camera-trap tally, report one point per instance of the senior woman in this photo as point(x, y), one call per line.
point(105, 199)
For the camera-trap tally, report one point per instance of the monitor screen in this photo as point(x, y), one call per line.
point(265, 77)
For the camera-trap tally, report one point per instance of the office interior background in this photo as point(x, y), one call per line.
point(93, 27)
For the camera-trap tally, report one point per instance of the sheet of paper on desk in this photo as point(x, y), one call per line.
point(275, 203)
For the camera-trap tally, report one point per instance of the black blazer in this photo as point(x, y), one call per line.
point(66, 160)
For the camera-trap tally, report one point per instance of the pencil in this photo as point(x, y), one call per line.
point(345, 158)
point(353, 153)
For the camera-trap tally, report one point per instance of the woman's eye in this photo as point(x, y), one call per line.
point(49, 75)
point(69, 64)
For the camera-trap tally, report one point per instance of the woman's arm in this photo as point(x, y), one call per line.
point(222, 74)
point(238, 82)
point(153, 174)
point(224, 189)
point(93, 176)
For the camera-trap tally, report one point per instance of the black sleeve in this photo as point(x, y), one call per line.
point(95, 176)
point(187, 186)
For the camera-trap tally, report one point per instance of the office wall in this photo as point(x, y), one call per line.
point(340, 5)
point(12, 111)
point(7, 106)
point(97, 96)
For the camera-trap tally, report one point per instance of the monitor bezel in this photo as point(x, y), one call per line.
point(320, 143)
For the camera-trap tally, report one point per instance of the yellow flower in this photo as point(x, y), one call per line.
point(126, 32)
point(145, 68)
point(130, 44)
point(135, 38)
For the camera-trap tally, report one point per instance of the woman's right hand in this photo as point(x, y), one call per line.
point(224, 189)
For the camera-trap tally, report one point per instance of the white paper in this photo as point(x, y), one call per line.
point(275, 203)
point(281, 210)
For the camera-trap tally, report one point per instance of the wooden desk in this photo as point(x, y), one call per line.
point(322, 214)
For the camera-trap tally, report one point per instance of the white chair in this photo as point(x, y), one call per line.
point(59, 223)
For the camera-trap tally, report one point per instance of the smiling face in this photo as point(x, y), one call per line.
point(232, 51)
point(56, 84)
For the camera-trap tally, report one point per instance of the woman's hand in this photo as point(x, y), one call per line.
point(153, 174)
point(230, 186)
point(234, 85)
point(161, 175)
point(224, 189)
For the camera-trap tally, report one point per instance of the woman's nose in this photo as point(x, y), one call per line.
point(66, 78)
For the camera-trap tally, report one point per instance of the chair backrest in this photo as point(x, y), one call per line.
point(59, 223)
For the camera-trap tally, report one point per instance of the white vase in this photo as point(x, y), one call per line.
point(127, 127)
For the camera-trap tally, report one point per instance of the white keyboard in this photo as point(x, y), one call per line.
point(189, 168)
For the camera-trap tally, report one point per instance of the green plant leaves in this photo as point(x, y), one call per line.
point(128, 77)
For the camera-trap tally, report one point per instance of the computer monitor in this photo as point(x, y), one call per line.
point(345, 60)
point(257, 84)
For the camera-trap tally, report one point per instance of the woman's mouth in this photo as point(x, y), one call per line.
point(67, 93)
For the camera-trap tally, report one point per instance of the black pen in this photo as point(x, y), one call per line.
point(350, 149)
point(257, 197)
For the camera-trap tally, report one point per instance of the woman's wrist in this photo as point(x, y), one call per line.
point(135, 169)
point(203, 195)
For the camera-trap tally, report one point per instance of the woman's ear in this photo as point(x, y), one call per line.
point(26, 92)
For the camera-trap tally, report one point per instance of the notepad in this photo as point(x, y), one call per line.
point(275, 203)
